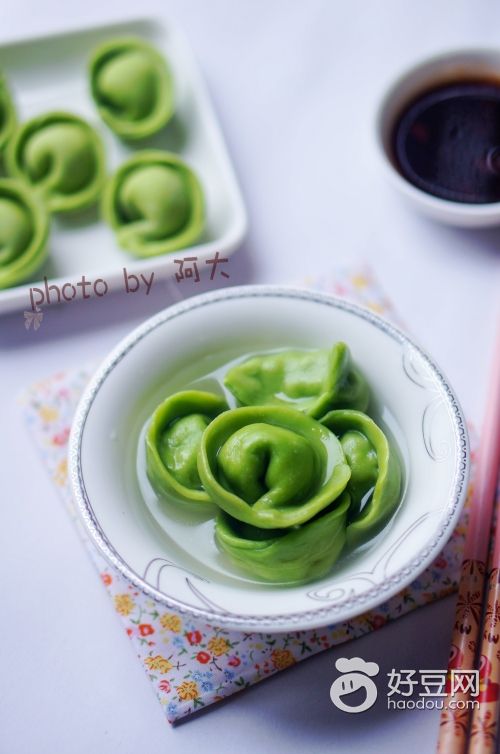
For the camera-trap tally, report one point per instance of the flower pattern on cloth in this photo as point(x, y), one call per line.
point(190, 664)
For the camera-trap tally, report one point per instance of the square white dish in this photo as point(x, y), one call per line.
point(51, 73)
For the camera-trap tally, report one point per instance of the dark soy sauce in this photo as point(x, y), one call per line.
point(447, 141)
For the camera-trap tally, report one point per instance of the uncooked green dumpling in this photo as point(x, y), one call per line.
point(7, 114)
point(155, 204)
point(132, 87)
point(61, 157)
point(312, 381)
point(24, 227)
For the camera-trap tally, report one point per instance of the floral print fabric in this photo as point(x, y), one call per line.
point(190, 664)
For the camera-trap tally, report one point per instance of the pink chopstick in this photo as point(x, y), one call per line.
point(455, 718)
point(478, 534)
point(484, 729)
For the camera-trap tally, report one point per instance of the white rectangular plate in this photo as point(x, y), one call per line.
point(51, 73)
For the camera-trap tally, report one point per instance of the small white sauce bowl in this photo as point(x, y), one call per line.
point(441, 69)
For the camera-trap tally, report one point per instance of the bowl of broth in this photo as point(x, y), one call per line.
point(166, 546)
point(438, 131)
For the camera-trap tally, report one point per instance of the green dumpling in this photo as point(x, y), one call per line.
point(311, 381)
point(173, 441)
point(154, 203)
point(375, 483)
point(7, 114)
point(271, 466)
point(132, 87)
point(61, 157)
point(24, 228)
point(294, 555)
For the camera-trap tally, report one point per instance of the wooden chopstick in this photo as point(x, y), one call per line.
point(455, 717)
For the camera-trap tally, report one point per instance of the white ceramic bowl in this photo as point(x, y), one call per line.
point(170, 554)
point(437, 70)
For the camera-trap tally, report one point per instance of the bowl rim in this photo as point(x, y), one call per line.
point(484, 211)
point(309, 618)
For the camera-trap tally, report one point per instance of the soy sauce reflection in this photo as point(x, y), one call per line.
point(447, 141)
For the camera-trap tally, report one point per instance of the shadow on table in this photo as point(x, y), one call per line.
point(458, 242)
point(298, 700)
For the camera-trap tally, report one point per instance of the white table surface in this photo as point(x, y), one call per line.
point(295, 85)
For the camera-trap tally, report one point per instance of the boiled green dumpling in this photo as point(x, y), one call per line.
point(173, 441)
point(312, 381)
point(271, 466)
point(294, 555)
point(375, 483)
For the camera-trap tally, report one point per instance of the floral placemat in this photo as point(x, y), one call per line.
point(191, 664)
